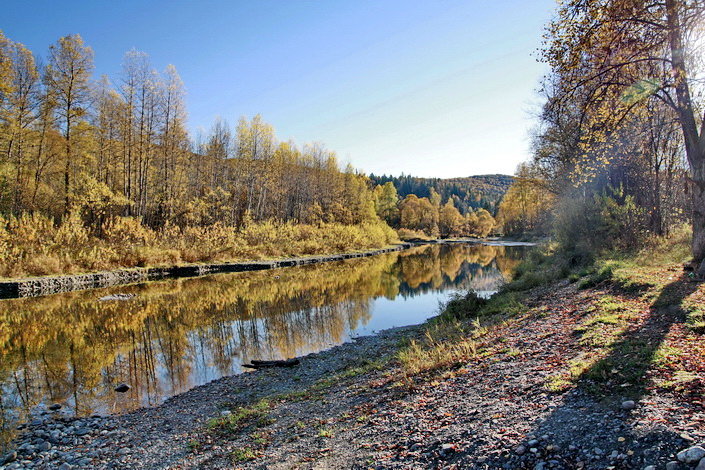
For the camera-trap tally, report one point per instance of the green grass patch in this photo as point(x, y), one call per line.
point(244, 454)
point(241, 417)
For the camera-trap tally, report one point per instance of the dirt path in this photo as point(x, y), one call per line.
point(515, 405)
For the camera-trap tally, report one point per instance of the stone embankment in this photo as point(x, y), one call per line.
point(37, 286)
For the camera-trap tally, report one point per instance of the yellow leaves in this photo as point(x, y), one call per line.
point(639, 91)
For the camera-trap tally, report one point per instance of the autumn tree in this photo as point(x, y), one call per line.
point(68, 80)
point(386, 203)
point(450, 221)
point(613, 57)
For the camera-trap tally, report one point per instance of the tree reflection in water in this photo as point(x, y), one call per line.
point(173, 335)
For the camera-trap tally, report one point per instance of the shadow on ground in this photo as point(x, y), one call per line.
point(590, 429)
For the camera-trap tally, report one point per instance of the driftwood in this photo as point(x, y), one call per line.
point(268, 364)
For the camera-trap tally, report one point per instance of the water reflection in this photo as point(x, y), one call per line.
point(73, 348)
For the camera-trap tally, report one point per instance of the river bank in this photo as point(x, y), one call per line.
point(45, 285)
point(583, 376)
point(37, 286)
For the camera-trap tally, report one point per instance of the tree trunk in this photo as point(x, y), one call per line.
point(694, 144)
point(698, 185)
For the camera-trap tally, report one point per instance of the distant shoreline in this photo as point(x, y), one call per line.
point(46, 285)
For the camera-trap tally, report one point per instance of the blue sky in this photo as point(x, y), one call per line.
point(431, 88)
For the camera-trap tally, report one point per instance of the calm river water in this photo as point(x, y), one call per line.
point(170, 336)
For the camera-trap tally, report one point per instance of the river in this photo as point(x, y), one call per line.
point(165, 337)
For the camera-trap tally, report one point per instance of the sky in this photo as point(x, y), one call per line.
point(434, 88)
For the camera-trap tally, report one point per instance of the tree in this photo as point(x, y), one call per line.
point(68, 80)
point(386, 202)
point(18, 113)
point(619, 54)
point(450, 221)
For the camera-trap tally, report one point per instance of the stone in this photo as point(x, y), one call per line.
point(650, 467)
point(9, 457)
point(82, 431)
point(628, 405)
point(55, 407)
point(45, 446)
point(65, 466)
point(701, 465)
point(672, 465)
point(520, 450)
point(691, 455)
point(122, 388)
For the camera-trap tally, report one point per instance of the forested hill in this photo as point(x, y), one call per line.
point(481, 191)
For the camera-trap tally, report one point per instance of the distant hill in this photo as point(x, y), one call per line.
point(481, 191)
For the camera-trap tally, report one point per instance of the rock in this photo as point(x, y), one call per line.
point(44, 446)
point(55, 407)
point(64, 466)
point(82, 431)
point(447, 449)
point(701, 465)
point(122, 388)
point(533, 442)
point(124, 451)
point(628, 405)
point(691, 455)
point(650, 467)
point(520, 450)
point(672, 465)
point(116, 297)
point(226, 413)
point(9, 457)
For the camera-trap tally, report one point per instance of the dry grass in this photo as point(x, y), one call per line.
point(444, 345)
point(34, 245)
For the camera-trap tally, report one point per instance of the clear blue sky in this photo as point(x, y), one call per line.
point(427, 87)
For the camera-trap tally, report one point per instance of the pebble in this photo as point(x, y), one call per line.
point(672, 465)
point(691, 455)
point(65, 466)
point(9, 457)
point(122, 388)
point(520, 450)
point(55, 407)
point(701, 465)
point(628, 405)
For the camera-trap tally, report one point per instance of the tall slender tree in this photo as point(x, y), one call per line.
point(68, 80)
